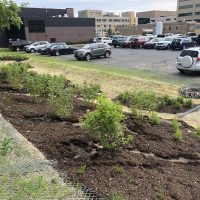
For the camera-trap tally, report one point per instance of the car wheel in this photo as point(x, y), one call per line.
point(182, 71)
point(141, 46)
point(107, 54)
point(32, 50)
point(57, 53)
point(184, 47)
point(88, 57)
point(17, 49)
point(168, 47)
point(115, 46)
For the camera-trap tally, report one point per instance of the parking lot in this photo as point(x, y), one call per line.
point(163, 61)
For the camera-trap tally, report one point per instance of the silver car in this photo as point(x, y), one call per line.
point(93, 50)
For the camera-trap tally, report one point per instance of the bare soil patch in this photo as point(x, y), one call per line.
point(149, 172)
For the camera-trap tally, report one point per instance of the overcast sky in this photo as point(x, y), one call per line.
point(107, 5)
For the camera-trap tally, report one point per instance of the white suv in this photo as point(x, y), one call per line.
point(35, 46)
point(189, 60)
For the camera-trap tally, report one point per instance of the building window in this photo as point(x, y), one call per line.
point(185, 7)
point(185, 14)
point(170, 28)
point(36, 26)
point(176, 27)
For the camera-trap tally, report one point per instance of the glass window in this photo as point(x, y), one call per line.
point(193, 54)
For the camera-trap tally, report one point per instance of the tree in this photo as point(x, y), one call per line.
point(9, 14)
point(109, 32)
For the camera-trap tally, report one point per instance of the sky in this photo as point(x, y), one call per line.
point(106, 5)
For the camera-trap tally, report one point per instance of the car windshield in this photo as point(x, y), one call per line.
point(177, 40)
point(191, 53)
point(154, 40)
point(168, 39)
point(87, 46)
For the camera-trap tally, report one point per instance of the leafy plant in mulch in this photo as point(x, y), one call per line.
point(115, 196)
point(62, 102)
point(81, 170)
point(16, 74)
point(17, 58)
point(197, 132)
point(178, 135)
point(155, 120)
point(89, 91)
point(147, 100)
point(118, 169)
point(105, 124)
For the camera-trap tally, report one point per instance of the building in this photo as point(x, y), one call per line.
point(51, 25)
point(188, 10)
point(156, 16)
point(108, 20)
point(176, 28)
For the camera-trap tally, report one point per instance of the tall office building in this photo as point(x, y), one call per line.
point(188, 10)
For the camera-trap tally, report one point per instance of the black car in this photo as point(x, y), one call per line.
point(18, 45)
point(61, 50)
point(118, 41)
point(46, 50)
point(182, 43)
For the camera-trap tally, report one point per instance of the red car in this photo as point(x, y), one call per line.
point(138, 42)
point(127, 42)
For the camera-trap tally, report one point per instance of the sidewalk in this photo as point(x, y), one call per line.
point(26, 174)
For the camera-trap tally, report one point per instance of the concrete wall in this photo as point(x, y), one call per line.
point(63, 34)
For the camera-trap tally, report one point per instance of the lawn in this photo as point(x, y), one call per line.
point(112, 80)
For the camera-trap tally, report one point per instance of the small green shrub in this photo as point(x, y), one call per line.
point(62, 102)
point(188, 103)
point(105, 123)
point(137, 114)
point(155, 118)
point(178, 135)
point(142, 100)
point(81, 170)
point(17, 58)
point(197, 132)
point(5, 146)
point(160, 193)
point(177, 104)
point(89, 91)
point(16, 74)
point(115, 196)
point(118, 169)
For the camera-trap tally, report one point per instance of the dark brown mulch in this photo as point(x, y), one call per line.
point(145, 176)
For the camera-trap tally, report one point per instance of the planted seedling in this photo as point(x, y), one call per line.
point(81, 170)
point(115, 196)
point(155, 120)
point(160, 193)
point(178, 135)
point(197, 132)
point(6, 147)
point(118, 169)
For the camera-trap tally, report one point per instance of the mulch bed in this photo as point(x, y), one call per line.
point(148, 173)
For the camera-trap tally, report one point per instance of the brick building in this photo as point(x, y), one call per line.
point(52, 25)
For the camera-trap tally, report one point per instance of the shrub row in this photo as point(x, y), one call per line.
point(147, 100)
point(17, 58)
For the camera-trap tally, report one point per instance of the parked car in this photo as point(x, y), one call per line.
point(189, 60)
point(18, 45)
point(46, 50)
point(182, 43)
point(139, 42)
point(106, 40)
point(93, 50)
point(127, 43)
point(190, 34)
point(152, 43)
point(34, 47)
point(118, 40)
point(165, 43)
point(61, 49)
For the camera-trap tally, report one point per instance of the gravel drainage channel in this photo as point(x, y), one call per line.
point(191, 91)
point(27, 168)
